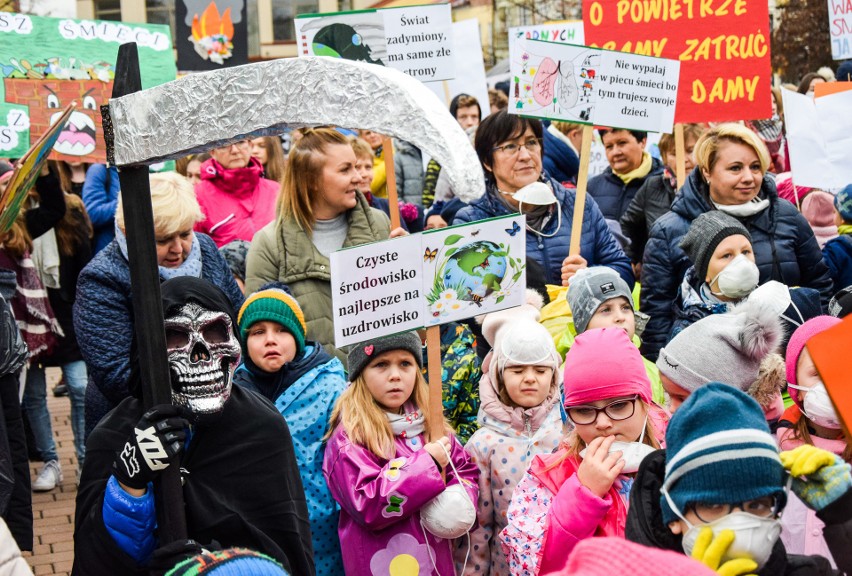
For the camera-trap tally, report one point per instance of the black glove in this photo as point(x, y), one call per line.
point(166, 557)
point(154, 442)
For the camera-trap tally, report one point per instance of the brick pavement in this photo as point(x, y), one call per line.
point(53, 512)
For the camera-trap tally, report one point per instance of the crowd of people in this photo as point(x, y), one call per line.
point(653, 402)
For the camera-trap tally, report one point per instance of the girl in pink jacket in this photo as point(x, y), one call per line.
point(582, 489)
point(385, 476)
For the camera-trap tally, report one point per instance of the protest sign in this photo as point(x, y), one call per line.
point(427, 279)
point(819, 138)
point(416, 40)
point(829, 351)
point(723, 46)
point(568, 32)
point(48, 62)
point(840, 27)
point(210, 34)
point(593, 86)
point(468, 65)
point(825, 88)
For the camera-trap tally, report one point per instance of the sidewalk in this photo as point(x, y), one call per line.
point(53, 512)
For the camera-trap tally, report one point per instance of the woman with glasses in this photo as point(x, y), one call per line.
point(235, 198)
point(510, 151)
point(581, 490)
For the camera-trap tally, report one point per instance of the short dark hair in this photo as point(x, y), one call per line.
point(464, 101)
point(497, 128)
point(638, 134)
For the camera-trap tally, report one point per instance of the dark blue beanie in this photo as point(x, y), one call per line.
point(719, 451)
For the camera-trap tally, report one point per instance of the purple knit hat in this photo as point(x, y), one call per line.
point(797, 343)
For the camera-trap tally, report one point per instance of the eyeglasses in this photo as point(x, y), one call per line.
point(618, 410)
point(532, 145)
point(766, 507)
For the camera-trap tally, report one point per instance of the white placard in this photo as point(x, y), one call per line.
point(416, 40)
point(469, 67)
point(819, 137)
point(567, 32)
point(592, 86)
point(840, 28)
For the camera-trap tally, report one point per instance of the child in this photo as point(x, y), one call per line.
point(581, 490)
point(598, 298)
point(811, 420)
point(520, 417)
point(304, 382)
point(837, 253)
point(721, 481)
point(380, 471)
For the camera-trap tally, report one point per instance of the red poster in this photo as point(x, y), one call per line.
point(723, 47)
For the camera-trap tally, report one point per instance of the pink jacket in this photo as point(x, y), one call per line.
point(380, 503)
point(502, 449)
point(802, 530)
point(551, 512)
point(236, 203)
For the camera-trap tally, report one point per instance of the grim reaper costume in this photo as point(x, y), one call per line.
point(241, 483)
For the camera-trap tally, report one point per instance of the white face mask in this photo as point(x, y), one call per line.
point(817, 406)
point(538, 194)
point(631, 452)
point(737, 279)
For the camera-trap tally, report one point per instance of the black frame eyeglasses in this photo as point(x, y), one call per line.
point(616, 410)
point(766, 507)
point(510, 149)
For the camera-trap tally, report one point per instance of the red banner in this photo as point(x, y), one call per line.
point(723, 47)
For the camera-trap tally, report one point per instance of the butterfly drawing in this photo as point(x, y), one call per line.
point(513, 230)
point(475, 232)
point(430, 255)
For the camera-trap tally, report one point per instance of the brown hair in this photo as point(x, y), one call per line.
point(497, 98)
point(63, 171)
point(361, 148)
point(302, 175)
point(667, 141)
point(75, 228)
point(275, 163)
point(17, 241)
point(800, 432)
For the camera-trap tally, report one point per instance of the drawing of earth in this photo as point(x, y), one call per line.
point(476, 269)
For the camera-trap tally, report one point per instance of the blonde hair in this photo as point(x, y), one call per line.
point(303, 173)
point(707, 147)
point(667, 141)
point(566, 127)
point(365, 421)
point(173, 202)
point(361, 148)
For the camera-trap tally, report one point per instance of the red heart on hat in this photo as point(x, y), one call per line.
point(368, 350)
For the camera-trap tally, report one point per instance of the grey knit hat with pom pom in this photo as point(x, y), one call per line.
point(730, 348)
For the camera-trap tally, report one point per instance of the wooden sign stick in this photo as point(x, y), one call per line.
point(393, 197)
point(436, 386)
point(582, 182)
point(680, 155)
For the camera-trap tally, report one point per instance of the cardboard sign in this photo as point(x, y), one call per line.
point(723, 46)
point(46, 63)
point(593, 86)
point(830, 353)
point(210, 34)
point(840, 28)
point(427, 279)
point(416, 40)
point(819, 138)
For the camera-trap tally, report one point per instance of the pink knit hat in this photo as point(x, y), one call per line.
point(818, 210)
point(605, 556)
point(604, 363)
point(797, 343)
point(786, 190)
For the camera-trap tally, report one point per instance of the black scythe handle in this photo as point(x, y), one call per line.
point(147, 302)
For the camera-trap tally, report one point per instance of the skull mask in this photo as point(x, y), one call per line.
point(203, 352)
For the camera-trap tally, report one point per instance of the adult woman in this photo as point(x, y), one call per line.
point(320, 210)
point(268, 151)
point(103, 313)
point(509, 148)
point(730, 176)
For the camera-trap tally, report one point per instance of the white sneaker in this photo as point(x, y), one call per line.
point(49, 477)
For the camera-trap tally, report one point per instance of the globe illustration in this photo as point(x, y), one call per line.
point(475, 270)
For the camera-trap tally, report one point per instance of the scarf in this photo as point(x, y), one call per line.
point(190, 267)
point(844, 229)
point(45, 257)
point(750, 208)
point(410, 424)
point(671, 177)
point(643, 170)
point(769, 130)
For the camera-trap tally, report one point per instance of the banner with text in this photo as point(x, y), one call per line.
point(427, 279)
point(416, 40)
point(568, 32)
point(723, 46)
point(593, 86)
point(840, 26)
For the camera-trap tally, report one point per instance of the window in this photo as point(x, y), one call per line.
point(108, 9)
point(161, 12)
point(283, 14)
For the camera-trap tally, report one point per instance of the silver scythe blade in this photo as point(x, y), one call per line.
point(209, 109)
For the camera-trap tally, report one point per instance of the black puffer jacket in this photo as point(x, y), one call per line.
point(785, 249)
point(645, 526)
point(653, 199)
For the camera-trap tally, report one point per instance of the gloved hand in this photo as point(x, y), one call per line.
point(819, 477)
point(167, 557)
point(157, 438)
point(710, 550)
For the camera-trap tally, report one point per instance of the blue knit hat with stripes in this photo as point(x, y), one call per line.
point(719, 451)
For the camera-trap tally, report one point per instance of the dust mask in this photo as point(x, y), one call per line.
point(631, 452)
point(451, 513)
point(538, 194)
point(737, 279)
point(817, 406)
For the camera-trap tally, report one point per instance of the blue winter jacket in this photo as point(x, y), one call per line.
point(558, 159)
point(315, 382)
point(785, 249)
point(838, 255)
point(103, 321)
point(613, 195)
point(100, 196)
point(597, 245)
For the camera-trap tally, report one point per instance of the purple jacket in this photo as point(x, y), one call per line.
point(380, 503)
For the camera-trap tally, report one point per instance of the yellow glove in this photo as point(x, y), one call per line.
point(806, 459)
point(710, 550)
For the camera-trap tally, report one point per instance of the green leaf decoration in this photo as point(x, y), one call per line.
point(452, 239)
point(499, 299)
point(450, 252)
point(516, 276)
